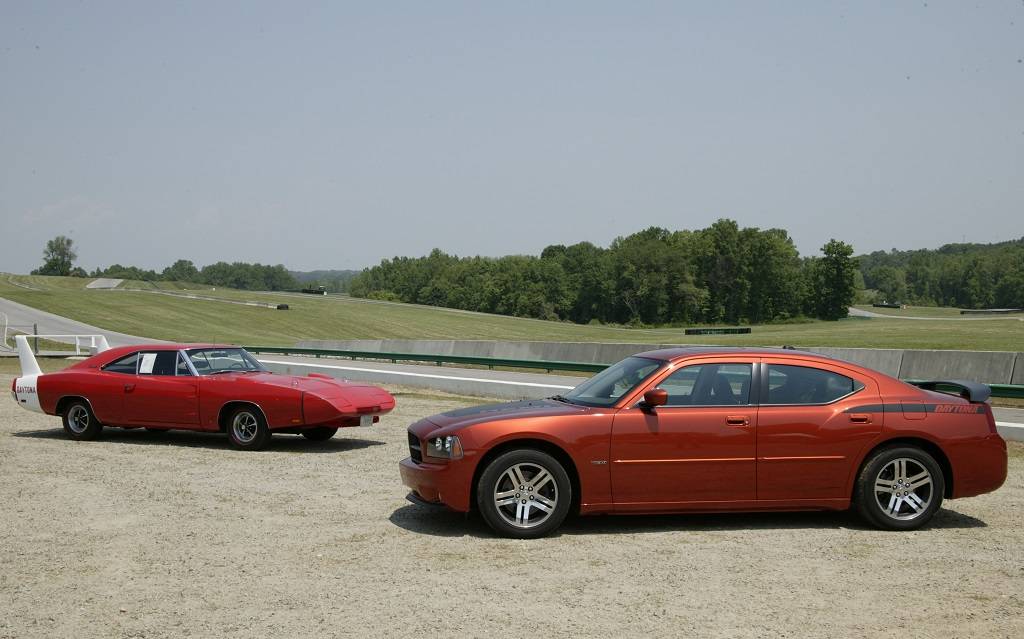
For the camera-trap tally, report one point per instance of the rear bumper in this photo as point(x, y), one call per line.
point(980, 467)
point(437, 484)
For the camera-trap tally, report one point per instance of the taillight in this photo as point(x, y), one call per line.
point(991, 420)
point(14, 386)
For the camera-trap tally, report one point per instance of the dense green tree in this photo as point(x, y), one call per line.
point(890, 283)
point(181, 271)
point(834, 279)
point(58, 257)
point(719, 274)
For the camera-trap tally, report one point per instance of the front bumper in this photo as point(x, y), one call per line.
point(449, 484)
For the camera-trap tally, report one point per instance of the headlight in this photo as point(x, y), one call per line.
point(444, 447)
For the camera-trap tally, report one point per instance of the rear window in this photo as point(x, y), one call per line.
point(806, 385)
point(125, 365)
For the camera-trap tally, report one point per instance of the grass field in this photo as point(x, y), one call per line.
point(164, 316)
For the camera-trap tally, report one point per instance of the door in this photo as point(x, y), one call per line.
point(813, 423)
point(163, 393)
point(696, 451)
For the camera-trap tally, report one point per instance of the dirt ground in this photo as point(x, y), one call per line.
point(178, 535)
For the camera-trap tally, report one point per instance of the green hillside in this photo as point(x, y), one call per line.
point(166, 314)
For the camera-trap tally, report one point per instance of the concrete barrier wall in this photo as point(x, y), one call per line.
point(1018, 370)
point(993, 367)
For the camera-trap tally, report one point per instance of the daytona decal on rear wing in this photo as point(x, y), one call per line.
point(974, 392)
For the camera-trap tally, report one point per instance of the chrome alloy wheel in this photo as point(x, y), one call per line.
point(244, 427)
point(78, 419)
point(525, 495)
point(903, 489)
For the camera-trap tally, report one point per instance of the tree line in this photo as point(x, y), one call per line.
point(59, 257)
point(960, 275)
point(721, 274)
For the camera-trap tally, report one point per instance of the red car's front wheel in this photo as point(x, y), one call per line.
point(247, 429)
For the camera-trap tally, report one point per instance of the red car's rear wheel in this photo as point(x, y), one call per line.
point(79, 421)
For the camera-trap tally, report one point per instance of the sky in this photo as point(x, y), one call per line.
point(333, 135)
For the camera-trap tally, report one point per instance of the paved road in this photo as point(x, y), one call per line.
point(23, 317)
point(859, 312)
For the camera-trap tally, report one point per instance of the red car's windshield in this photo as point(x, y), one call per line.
point(211, 361)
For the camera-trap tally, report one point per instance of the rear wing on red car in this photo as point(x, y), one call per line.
point(974, 392)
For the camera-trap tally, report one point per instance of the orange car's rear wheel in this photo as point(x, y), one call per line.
point(524, 494)
point(247, 429)
point(900, 488)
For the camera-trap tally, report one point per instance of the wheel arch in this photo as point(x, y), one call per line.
point(63, 402)
point(542, 445)
point(229, 407)
point(926, 445)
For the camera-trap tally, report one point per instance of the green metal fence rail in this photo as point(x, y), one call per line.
point(1008, 391)
point(489, 362)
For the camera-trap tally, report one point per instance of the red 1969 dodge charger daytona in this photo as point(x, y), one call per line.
point(713, 429)
point(194, 387)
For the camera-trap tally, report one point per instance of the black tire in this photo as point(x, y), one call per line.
point(155, 430)
point(524, 503)
point(79, 421)
point(247, 429)
point(319, 434)
point(911, 497)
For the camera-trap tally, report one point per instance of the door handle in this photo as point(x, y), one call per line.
point(737, 420)
point(129, 388)
point(860, 418)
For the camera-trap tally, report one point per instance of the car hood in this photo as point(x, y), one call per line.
point(509, 410)
point(356, 393)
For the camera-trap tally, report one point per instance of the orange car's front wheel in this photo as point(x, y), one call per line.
point(524, 494)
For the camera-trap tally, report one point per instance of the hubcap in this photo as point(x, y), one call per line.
point(78, 419)
point(903, 489)
point(244, 427)
point(526, 495)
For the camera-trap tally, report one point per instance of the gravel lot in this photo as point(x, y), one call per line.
point(178, 535)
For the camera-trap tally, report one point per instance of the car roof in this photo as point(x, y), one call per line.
point(686, 352)
point(112, 354)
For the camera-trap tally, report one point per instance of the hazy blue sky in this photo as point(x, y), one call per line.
point(333, 135)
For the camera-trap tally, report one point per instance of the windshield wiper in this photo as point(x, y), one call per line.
point(560, 398)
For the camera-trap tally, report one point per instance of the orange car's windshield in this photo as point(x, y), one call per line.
point(608, 386)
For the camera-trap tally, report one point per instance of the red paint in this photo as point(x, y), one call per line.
point(195, 402)
point(737, 457)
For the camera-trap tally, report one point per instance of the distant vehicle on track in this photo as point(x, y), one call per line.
point(712, 430)
point(201, 387)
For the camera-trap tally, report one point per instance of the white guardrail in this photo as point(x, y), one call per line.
point(88, 344)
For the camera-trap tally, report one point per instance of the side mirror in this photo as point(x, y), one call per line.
point(654, 397)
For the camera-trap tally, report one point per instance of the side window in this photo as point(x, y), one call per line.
point(158, 363)
point(125, 365)
point(806, 385)
point(183, 366)
point(709, 385)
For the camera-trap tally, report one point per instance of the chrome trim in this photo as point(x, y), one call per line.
point(188, 362)
point(838, 399)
